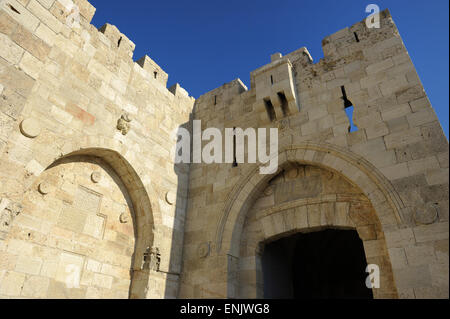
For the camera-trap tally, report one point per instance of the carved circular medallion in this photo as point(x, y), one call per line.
point(30, 128)
point(44, 188)
point(96, 177)
point(426, 214)
point(329, 175)
point(203, 250)
point(268, 191)
point(171, 197)
point(292, 173)
point(124, 218)
point(284, 124)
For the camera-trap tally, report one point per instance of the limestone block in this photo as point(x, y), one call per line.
point(46, 3)
point(49, 267)
point(7, 24)
point(34, 167)
point(11, 284)
point(396, 171)
point(404, 138)
point(437, 176)
point(380, 66)
point(29, 265)
point(367, 232)
point(410, 94)
point(421, 117)
point(374, 248)
point(398, 258)
point(18, 12)
point(392, 86)
point(420, 255)
point(421, 165)
point(396, 112)
point(413, 277)
point(399, 238)
point(397, 124)
point(377, 130)
point(31, 65)
point(440, 275)
point(45, 16)
point(93, 265)
point(35, 287)
point(426, 233)
point(9, 50)
point(35, 46)
point(87, 10)
point(420, 104)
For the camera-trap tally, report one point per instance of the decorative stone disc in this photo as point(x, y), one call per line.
point(44, 188)
point(203, 250)
point(292, 173)
point(426, 214)
point(268, 191)
point(283, 124)
point(171, 197)
point(96, 177)
point(30, 128)
point(124, 218)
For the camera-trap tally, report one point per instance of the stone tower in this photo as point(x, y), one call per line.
point(93, 205)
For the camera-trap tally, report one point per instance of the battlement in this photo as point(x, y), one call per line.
point(60, 16)
point(284, 77)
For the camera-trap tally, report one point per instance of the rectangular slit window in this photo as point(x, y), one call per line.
point(271, 79)
point(356, 36)
point(270, 110)
point(13, 9)
point(235, 163)
point(349, 110)
point(284, 103)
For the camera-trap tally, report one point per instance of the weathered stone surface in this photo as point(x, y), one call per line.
point(200, 229)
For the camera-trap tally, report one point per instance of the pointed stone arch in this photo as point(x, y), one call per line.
point(132, 173)
point(355, 168)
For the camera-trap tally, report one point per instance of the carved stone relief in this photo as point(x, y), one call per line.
point(123, 124)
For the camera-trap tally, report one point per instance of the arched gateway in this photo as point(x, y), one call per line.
point(319, 187)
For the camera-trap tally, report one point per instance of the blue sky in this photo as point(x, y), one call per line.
point(203, 44)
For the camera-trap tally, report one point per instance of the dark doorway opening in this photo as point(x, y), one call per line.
point(329, 264)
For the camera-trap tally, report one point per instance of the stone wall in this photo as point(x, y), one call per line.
point(70, 89)
point(398, 157)
point(73, 103)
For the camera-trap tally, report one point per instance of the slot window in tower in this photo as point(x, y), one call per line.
point(235, 163)
point(349, 110)
point(270, 110)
